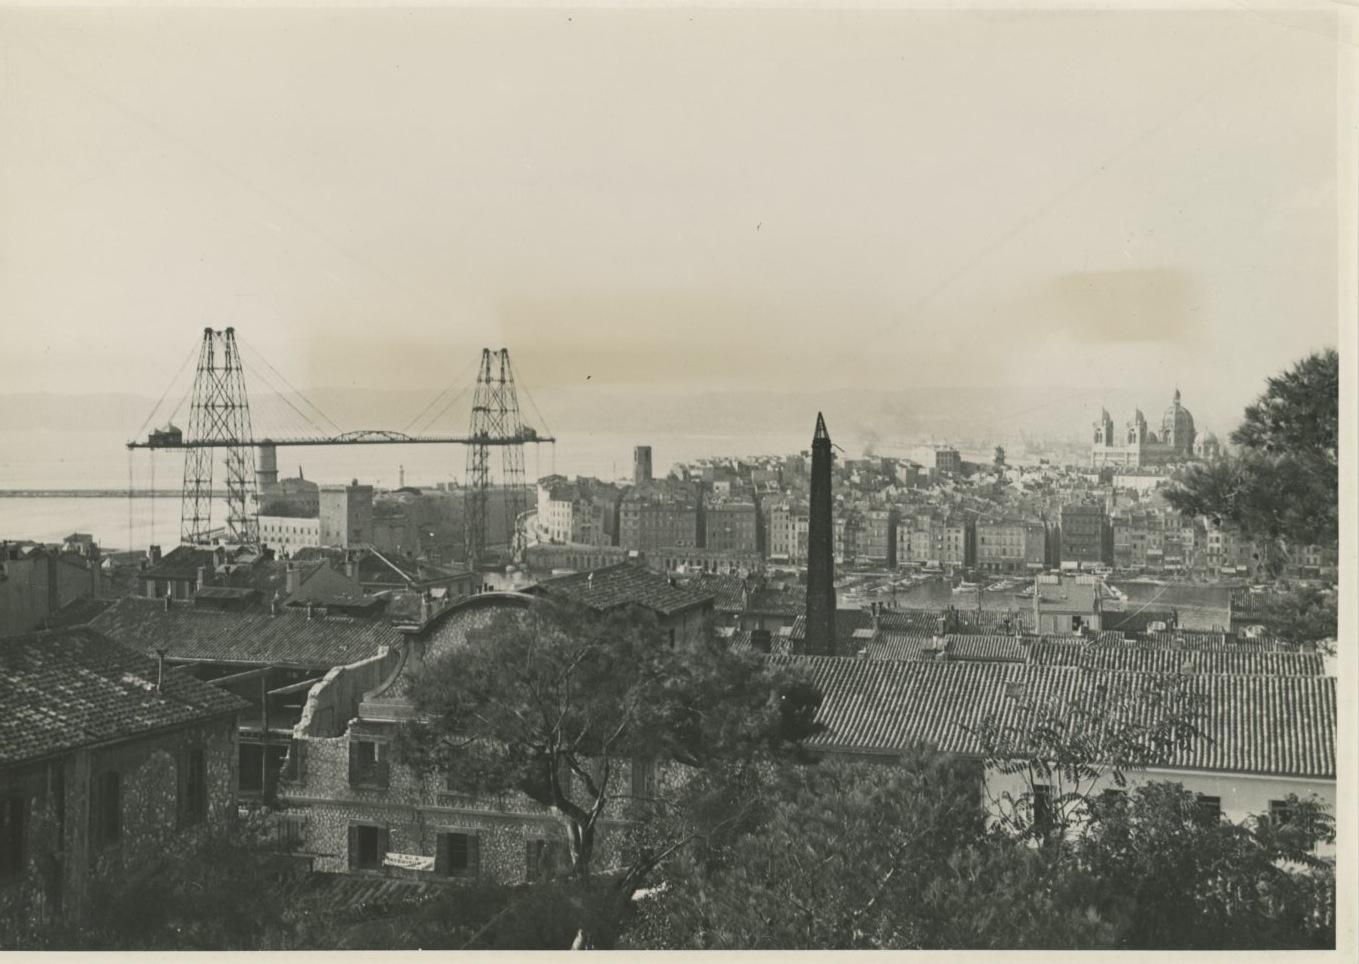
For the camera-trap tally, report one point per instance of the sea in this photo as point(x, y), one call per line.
point(87, 460)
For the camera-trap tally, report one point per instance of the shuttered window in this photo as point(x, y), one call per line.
point(193, 790)
point(106, 809)
point(367, 846)
point(11, 836)
point(368, 765)
point(458, 855)
point(546, 858)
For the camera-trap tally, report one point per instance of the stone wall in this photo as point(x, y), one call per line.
point(414, 809)
point(61, 860)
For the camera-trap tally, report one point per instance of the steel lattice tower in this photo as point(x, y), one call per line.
point(219, 412)
point(495, 421)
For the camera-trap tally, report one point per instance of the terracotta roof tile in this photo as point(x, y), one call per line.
point(66, 688)
point(1279, 725)
point(624, 584)
point(251, 636)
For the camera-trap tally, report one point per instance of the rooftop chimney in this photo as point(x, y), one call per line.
point(153, 553)
point(292, 579)
point(167, 600)
point(311, 609)
point(202, 577)
point(820, 637)
point(160, 668)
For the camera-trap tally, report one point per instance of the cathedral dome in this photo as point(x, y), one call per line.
point(1177, 425)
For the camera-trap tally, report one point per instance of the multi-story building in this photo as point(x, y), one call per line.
point(781, 529)
point(1086, 536)
point(37, 580)
point(948, 461)
point(108, 758)
point(730, 524)
point(285, 534)
point(641, 464)
point(346, 513)
point(877, 536)
point(583, 512)
point(661, 514)
point(1011, 545)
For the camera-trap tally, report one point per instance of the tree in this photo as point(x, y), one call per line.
point(1283, 487)
point(1061, 752)
point(1305, 616)
point(224, 891)
point(1169, 875)
point(560, 703)
point(864, 855)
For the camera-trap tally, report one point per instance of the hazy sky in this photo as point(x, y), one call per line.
point(707, 199)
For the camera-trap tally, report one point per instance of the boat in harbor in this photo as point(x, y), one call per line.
point(966, 586)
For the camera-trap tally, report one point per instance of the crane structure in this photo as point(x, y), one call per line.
point(219, 418)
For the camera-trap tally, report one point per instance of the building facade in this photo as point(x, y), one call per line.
point(1138, 446)
point(107, 759)
point(658, 514)
point(346, 515)
point(1086, 537)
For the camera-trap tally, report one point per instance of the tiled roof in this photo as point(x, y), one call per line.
point(989, 622)
point(922, 622)
point(367, 897)
point(1140, 658)
point(77, 612)
point(902, 646)
point(253, 636)
point(847, 621)
point(1180, 639)
point(726, 590)
point(70, 687)
point(624, 584)
point(1279, 725)
point(182, 562)
point(777, 602)
point(974, 647)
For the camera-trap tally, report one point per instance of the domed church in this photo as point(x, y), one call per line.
point(1139, 447)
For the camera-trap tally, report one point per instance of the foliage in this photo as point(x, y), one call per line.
point(1075, 747)
point(555, 701)
point(1169, 878)
point(825, 857)
point(224, 892)
point(853, 855)
point(1305, 616)
point(1282, 489)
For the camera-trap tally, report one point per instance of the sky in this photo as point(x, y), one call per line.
point(671, 200)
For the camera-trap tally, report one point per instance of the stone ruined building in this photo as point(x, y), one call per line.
point(350, 806)
point(107, 758)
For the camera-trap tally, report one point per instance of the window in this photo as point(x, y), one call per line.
point(250, 768)
point(644, 778)
point(1280, 812)
point(546, 858)
point(295, 768)
point(106, 809)
point(367, 763)
point(11, 836)
point(1044, 813)
point(458, 855)
point(193, 789)
point(367, 847)
point(1209, 810)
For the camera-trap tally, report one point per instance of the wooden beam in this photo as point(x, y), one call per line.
point(259, 671)
point(306, 684)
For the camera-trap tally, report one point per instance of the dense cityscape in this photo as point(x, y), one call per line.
point(644, 477)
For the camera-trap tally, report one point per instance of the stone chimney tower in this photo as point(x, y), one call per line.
point(641, 464)
point(821, 549)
